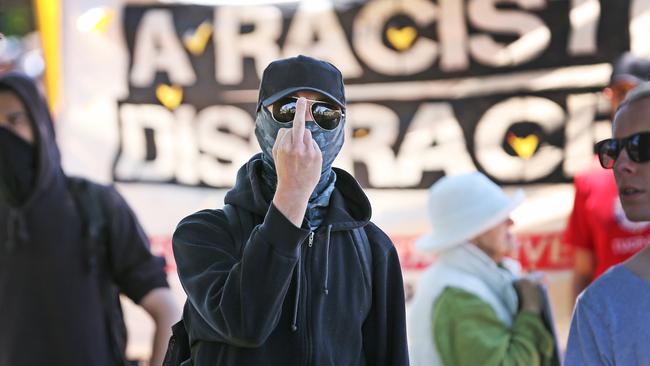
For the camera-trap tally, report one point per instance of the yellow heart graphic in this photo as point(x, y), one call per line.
point(102, 24)
point(95, 20)
point(360, 133)
point(195, 41)
point(524, 146)
point(401, 39)
point(170, 96)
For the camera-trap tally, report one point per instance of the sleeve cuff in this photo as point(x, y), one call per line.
point(281, 233)
point(537, 330)
point(150, 276)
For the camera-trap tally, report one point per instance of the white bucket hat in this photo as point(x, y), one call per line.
point(464, 206)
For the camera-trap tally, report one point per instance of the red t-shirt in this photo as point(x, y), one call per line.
point(599, 223)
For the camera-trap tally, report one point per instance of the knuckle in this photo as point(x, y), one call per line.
point(295, 151)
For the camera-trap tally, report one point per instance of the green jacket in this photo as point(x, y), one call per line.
point(468, 332)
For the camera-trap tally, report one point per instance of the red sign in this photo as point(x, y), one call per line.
point(535, 252)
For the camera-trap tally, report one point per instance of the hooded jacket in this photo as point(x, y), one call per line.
point(288, 296)
point(51, 310)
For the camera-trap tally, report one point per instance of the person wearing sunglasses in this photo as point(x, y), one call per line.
point(597, 228)
point(610, 321)
point(291, 271)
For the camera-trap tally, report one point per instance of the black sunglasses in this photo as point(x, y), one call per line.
point(326, 115)
point(637, 147)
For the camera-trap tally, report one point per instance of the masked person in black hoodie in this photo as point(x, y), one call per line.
point(55, 307)
point(292, 271)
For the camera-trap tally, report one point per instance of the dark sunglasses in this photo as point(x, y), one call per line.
point(326, 115)
point(637, 147)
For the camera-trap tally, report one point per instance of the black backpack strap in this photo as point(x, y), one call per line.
point(178, 349)
point(89, 205)
point(88, 198)
point(364, 252)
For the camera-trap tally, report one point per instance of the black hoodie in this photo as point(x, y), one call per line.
point(286, 297)
point(51, 312)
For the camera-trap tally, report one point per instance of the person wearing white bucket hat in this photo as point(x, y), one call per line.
point(468, 308)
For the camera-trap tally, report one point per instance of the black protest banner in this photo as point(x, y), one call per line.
point(511, 88)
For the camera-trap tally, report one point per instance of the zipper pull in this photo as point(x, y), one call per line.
point(311, 239)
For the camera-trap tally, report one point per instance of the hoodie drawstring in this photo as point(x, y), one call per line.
point(16, 229)
point(294, 322)
point(327, 256)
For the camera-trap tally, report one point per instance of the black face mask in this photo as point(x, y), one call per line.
point(17, 167)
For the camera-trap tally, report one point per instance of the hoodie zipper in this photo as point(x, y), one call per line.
point(307, 262)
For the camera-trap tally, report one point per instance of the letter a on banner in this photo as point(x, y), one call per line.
point(157, 48)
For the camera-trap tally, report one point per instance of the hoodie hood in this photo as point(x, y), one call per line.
point(348, 208)
point(48, 158)
point(49, 180)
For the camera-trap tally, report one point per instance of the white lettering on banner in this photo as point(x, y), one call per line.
point(639, 27)
point(211, 146)
point(368, 31)
point(133, 163)
point(316, 31)
point(188, 148)
point(433, 136)
point(453, 36)
point(232, 46)
point(157, 48)
point(186, 144)
point(194, 147)
point(579, 133)
point(534, 36)
point(630, 245)
point(382, 125)
point(492, 128)
point(232, 147)
point(534, 251)
point(584, 18)
point(543, 251)
point(557, 251)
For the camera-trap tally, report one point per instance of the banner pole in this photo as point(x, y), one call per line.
point(48, 18)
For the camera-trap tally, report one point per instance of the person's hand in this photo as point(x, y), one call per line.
point(298, 164)
point(530, 295)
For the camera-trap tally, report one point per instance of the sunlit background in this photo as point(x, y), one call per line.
point(158, 98)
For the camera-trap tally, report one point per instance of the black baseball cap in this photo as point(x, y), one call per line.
point(630, 68)
point(287, 76)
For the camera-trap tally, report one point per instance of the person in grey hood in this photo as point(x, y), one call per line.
point(291, 271)
point(53, 301)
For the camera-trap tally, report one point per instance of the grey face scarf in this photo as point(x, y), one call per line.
point(329, 142)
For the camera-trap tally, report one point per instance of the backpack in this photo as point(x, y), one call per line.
point(179, 349)
point(88, 199)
